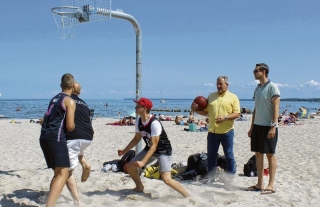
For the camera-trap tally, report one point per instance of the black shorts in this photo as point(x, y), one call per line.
point(55, 153)
point(260, 142)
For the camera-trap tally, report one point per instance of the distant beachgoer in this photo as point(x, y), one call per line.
point(290, 120)
point(158, 147)
point(130, 121)
point(191, 117)
point(120, 123)
point(179, 121)
point(57, 120)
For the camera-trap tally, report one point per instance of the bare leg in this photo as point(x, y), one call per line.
point(85, 168)
point(72, 186)
point(259, 164)
point(58, 181)
point(167, 179)
point(272, 170)
point(134, 174)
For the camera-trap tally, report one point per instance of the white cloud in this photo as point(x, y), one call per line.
point(208, 84)
point(282, 85)
point(254, 83)
point(312, 83)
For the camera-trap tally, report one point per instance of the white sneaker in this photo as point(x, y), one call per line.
point(107, 167)
point(114, 168)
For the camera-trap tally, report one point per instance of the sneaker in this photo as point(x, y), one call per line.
point(114, 168)
point(106, 168)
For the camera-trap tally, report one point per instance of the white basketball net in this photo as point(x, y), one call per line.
point(73, 12)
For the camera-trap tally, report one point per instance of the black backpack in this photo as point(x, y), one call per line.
point(221, 162)
point(250, 169)
point(199, 163)
point(126, 158)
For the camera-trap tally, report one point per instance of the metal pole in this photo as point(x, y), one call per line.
point(119, 14)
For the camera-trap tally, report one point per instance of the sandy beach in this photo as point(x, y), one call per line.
point(24, 178)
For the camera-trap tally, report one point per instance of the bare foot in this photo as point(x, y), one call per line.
point(85, 173)
point(138, 189)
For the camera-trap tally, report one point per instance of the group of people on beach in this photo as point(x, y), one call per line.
point(125, 121)
point(67, 131)
point(224, 108)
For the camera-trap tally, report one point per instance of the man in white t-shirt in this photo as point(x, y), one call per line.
point(158, 147)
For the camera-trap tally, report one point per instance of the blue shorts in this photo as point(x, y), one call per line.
point(55, 153)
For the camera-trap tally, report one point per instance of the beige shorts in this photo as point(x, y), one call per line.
point(76, 147)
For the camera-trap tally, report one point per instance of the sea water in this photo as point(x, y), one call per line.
point(35, 108)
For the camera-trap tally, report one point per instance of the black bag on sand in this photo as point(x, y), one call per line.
point(199, 163)
point(126, 158)
point(188, 175)
point(250, 169)
point(221, 162)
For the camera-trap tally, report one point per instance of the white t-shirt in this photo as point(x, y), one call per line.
point(155, 127)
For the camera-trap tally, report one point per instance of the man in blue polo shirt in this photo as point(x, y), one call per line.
point(264, 127)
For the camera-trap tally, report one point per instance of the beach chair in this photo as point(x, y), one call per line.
point(91, 114)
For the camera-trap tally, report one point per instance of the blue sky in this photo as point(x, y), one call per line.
point(186, 45)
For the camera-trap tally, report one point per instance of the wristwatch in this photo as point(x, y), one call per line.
point(225, 117)
point(274, 124)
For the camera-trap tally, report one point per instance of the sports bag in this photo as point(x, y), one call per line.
point(250, 169)
point(126, 158)
point(199, 163)
point(153, 172)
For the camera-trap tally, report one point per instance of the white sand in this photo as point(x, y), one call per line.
point(24, 179)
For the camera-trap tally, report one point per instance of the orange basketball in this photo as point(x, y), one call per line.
point(125, 168)
point(202, 102)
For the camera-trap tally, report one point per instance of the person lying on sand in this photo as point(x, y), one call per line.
point(120, 123)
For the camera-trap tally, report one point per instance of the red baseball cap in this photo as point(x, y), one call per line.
point(144, 102)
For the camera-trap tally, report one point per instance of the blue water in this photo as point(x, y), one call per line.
point(35, 108)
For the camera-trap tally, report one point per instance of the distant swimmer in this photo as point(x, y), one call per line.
point(18, 109)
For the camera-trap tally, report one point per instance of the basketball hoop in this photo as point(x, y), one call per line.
point(66, 18)
point(73, 12)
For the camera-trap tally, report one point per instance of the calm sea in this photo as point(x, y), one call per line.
point(35, 108)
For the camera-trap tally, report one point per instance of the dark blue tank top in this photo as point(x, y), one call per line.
point(164, 145)
point(83, 129)
point(53, 126)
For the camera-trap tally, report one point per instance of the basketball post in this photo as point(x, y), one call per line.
point(74, 12)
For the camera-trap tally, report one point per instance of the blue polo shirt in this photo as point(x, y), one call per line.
point(263, 106)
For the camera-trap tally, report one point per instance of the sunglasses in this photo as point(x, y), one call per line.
point(256, 71)
point(139, 106)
